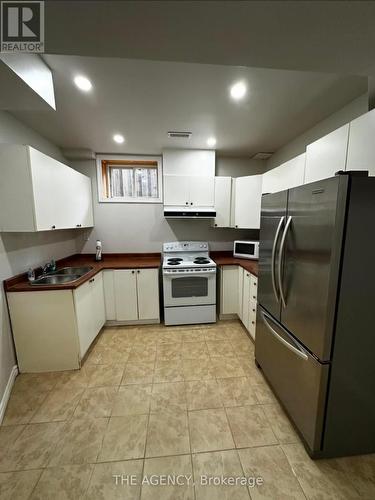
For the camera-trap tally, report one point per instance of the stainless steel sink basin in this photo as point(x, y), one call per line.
point(80, 271)
point(56, 279)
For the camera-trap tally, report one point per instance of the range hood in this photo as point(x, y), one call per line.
point(189, 213)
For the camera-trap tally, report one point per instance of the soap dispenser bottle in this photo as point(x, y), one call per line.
point(98, 255)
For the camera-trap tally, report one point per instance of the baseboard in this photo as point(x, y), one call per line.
point(8, 390)
point(135, 322)
point(224, 317)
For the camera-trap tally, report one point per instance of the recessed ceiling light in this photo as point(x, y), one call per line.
point(211, 141)
point(118, 138)
point(83, 83)
point(238, 90)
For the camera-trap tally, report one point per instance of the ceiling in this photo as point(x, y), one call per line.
point(143, 100)
point(322, 36)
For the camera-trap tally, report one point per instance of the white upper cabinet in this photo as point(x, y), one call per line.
point(223, 195)
point(288, 175)
point(189, 178)
point(327, 155)
point(247, 201)
point(361, 147)
point(38, 193)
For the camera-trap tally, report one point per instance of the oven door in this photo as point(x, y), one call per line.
point(189, 289)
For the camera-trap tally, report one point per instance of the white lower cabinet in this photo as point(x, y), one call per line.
point(238, 296)
point(132, 295)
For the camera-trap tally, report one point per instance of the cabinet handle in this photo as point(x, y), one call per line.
point(247, 274)
point(236, 225)
point(215, 225)
point(79, 225)
point(254, 297)
point(191, 203)
point(92, 279)
point(133, 272)
point(253, 323)
point(138, 271)
point(253, 310)
point(187, 203)
point(53, 227)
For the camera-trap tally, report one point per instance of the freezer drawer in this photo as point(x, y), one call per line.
point(298, 379)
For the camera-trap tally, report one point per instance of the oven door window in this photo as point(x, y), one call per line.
point(189, 286)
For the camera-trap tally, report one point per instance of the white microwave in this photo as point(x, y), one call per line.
point(246, 249)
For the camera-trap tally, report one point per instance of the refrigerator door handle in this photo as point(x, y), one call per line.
point(298, 352)
point(279, 269)
point(273, 257)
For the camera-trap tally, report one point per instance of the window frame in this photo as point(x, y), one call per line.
point(129, 160)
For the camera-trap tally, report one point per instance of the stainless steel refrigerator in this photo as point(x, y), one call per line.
point(315, 336)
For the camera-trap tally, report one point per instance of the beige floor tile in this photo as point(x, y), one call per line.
point(173, 466)
point(203, 394)
point(22, 405)
point(107, 355)
point(250, 426)
point(243, 347)
point(168, 434)
point(58, 405)
point(96, 402)
point(227, 367)
point(319, 478)
point(18, 485)
point(166, 352)
point(142, 353)
point(73, 378)
point(214, 333)
point(168, 371)
point(280, 424)
point(264, 393)
point(132, 400)
point(125, 438)
point(191, 335)
point(147, 336)
point(138, 373)
point(169, 336)
point(209, 430)
point(220, 348)
point(33, 447)
point(236, 335)
point(36, 382)
point(8, 435)
point(108, 481)
point(251, 371)
point(198, 369)
point(194, 350)
point(61, 483)
point(236, 391)
point(360, 471)
point(81, 441)
point(105, 375)
point(218, 464)
point(270, 464)
point(169, 396)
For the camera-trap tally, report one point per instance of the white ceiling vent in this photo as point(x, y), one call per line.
point(179, 135)
point(261, 156)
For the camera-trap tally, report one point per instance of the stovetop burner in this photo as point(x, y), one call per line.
point(174, 261)
point(201, 260)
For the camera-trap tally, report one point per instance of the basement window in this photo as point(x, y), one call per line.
point(129, 179)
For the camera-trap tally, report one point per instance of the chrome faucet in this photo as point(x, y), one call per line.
point(49, 267)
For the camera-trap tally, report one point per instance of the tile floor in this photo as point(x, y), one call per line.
point(151, 401)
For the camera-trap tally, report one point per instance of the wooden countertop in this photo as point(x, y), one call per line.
point(110, 261)
point(227, 259)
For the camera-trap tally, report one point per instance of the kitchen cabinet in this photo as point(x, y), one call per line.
point(327, 155)
point(247, 202)
point(229, 278)
point(223, 198)
point(246, 299)
point(241, 272)
point(184, 190)
point(53, 329)
point(90, 311)
point(190, 162)
point(361, 146)
point(288, 175)
point(132, 295)
point(39, 193)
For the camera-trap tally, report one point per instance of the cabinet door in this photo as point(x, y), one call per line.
point(148, 293)
point(223, 189)
point(82, 213)
point(327, 155)
point(176, 190)
point(246, 299)
point(201, 191)
point(247, 202)
point(361, 147)
point(109, 295)
point(125, 283)
point(286, 176)
point(241, 272)
point(229, 290)
point(98, 307)
point(189, 162)
point(85, 322)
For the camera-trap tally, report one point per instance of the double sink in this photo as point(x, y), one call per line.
point(61, 276)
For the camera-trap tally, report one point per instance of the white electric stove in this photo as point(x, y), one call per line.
point(189, 283)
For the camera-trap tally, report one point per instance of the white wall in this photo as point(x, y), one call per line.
point(18, 251)
point(131, 227)
point(352, 110)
